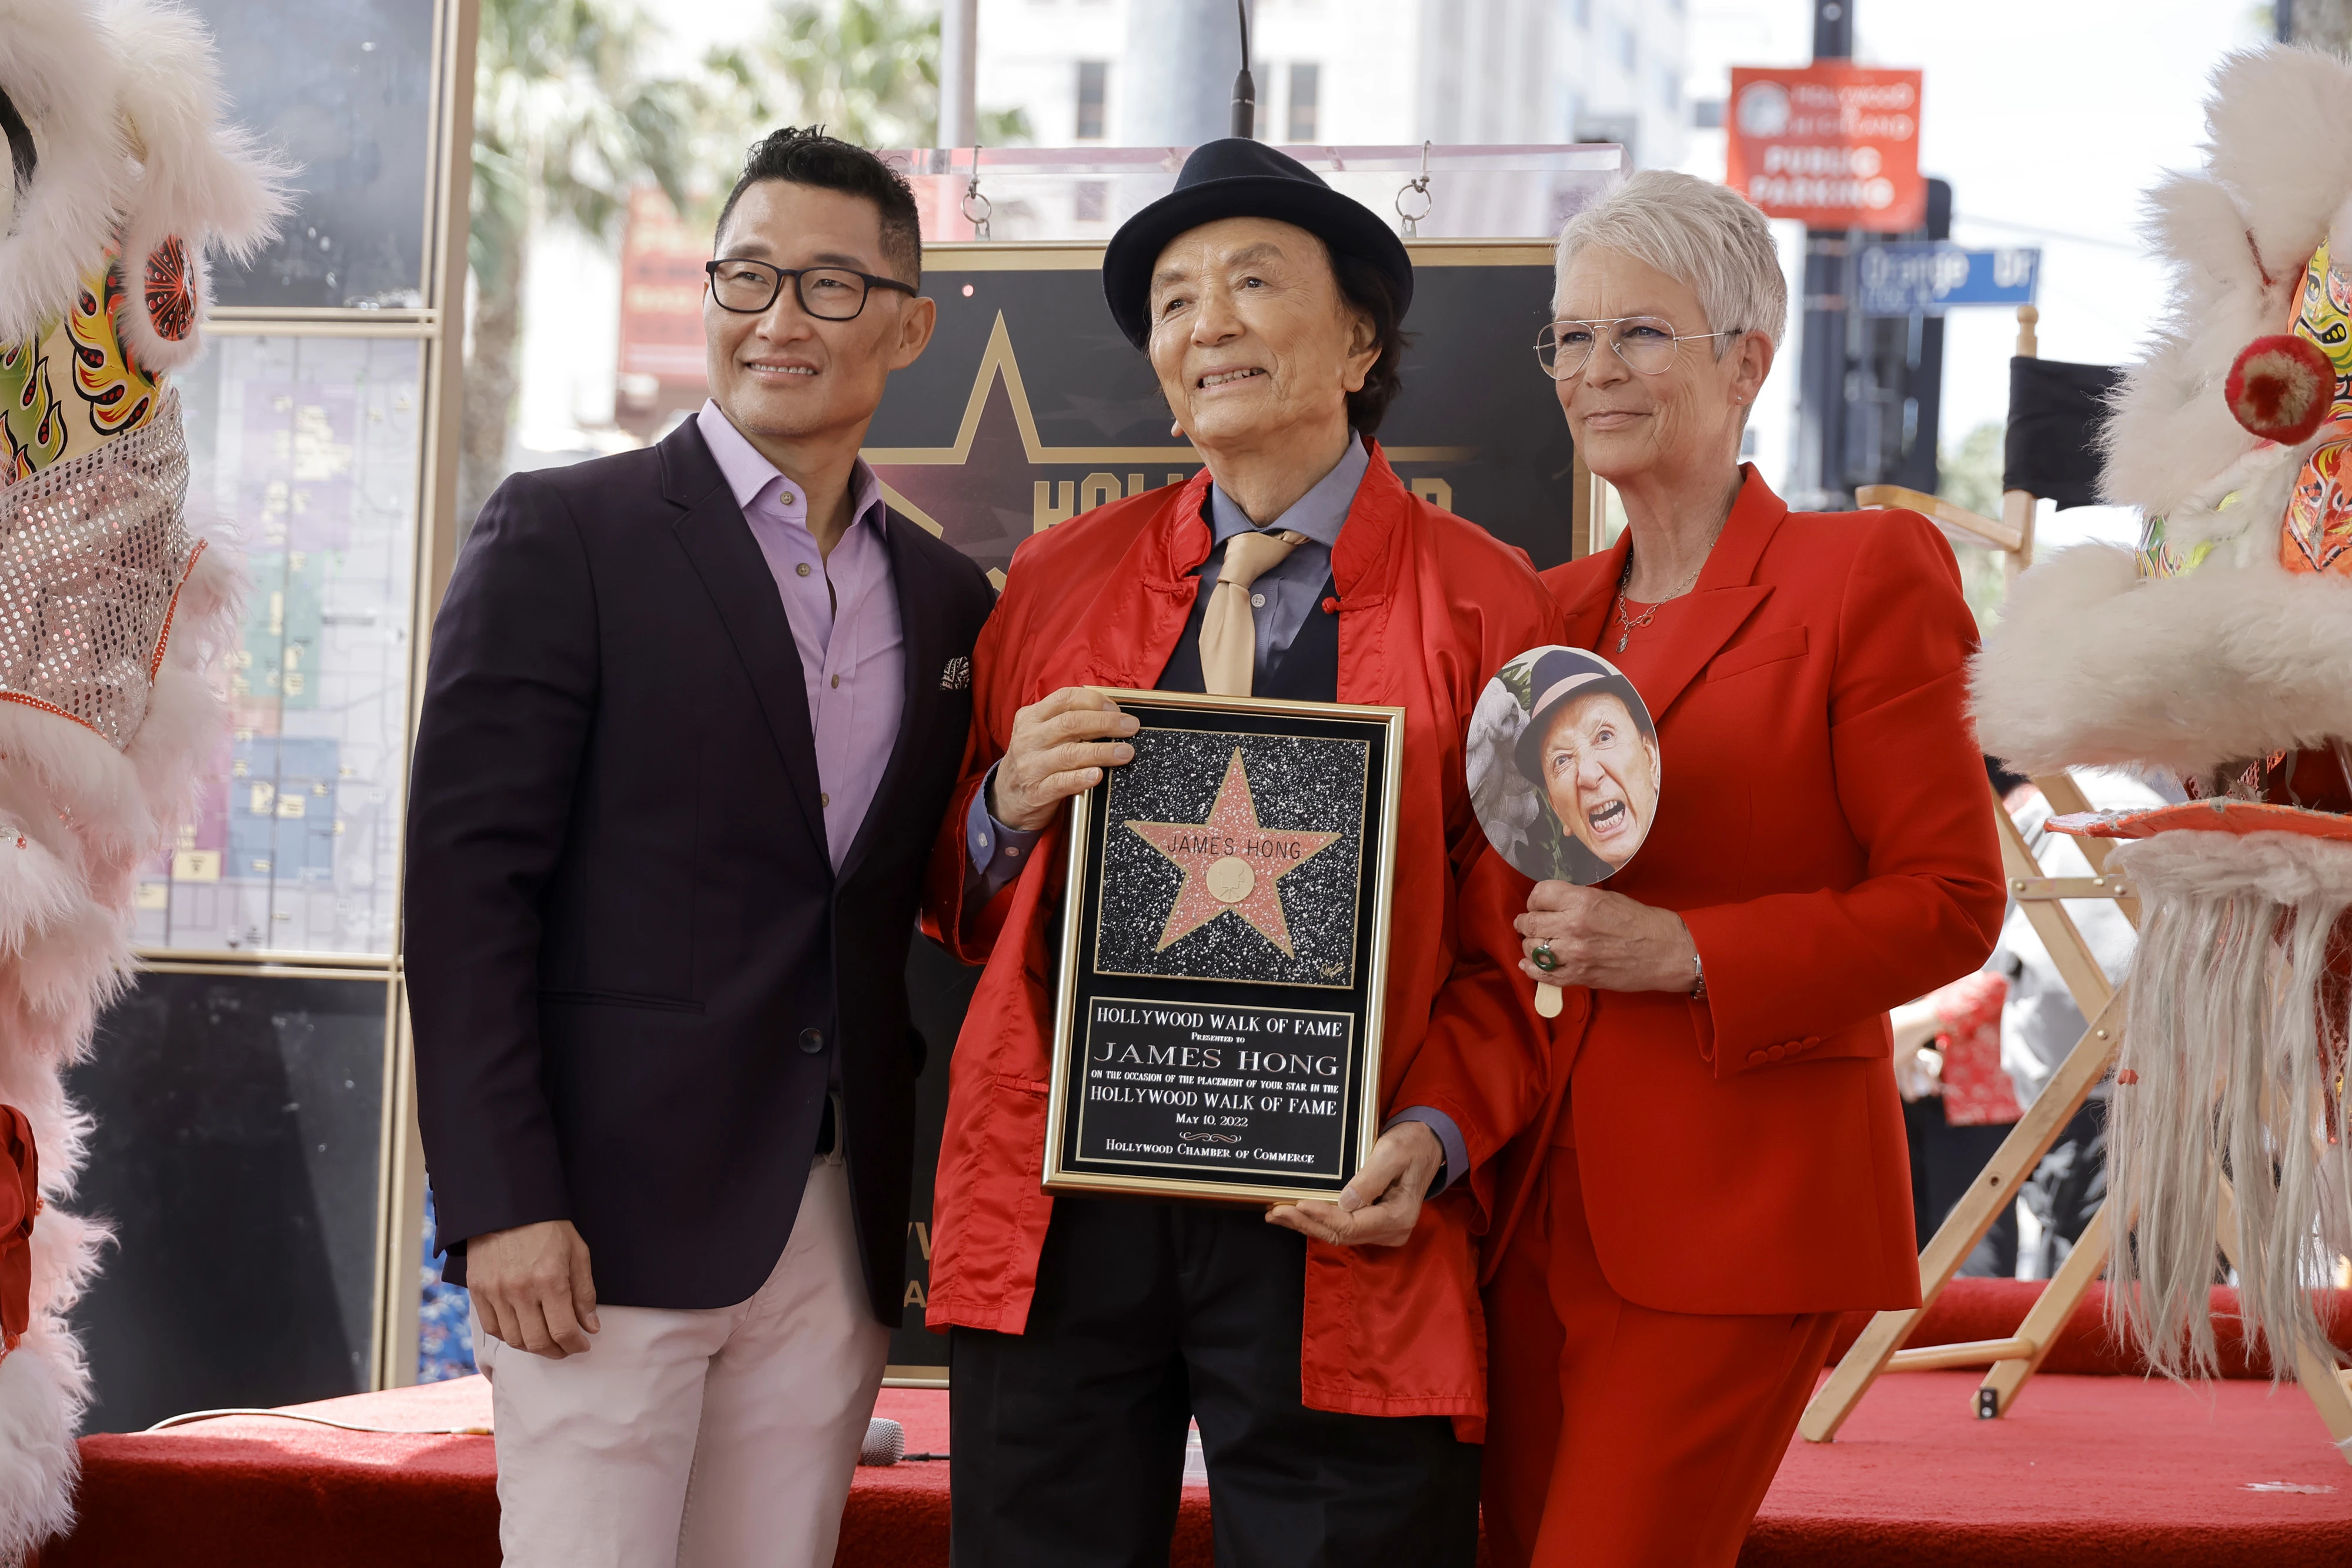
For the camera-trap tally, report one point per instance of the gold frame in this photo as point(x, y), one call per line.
point(1373, 982)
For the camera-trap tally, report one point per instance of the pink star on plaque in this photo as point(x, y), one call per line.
point(1231, 863)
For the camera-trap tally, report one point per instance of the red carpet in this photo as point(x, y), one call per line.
point(1991, 1309)
point(2086, 1470)
point(2082, 1471)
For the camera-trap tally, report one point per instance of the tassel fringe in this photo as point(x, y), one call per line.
point(2234, 1039)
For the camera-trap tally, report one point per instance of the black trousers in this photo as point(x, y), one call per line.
point(2069, 1186)
point(1945, 1164)
point(1069, 1439)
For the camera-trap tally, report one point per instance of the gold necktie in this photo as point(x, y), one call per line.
point(1229, 630)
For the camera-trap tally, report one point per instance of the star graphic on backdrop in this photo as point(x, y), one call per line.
point(999, 481)
point(981, 504)
point(979, 492)
point(1231, 863)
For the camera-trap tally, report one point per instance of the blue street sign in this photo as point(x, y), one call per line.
point(1913, 278)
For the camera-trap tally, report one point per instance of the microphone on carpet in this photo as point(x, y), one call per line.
point(885, 1442)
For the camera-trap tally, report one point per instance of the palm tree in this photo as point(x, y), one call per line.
point(867, 70)
point(564, 126)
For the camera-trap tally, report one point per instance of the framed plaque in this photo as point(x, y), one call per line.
point(1224, 952)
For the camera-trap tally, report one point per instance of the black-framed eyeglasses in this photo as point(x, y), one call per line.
point(1646, 344)
point(828, 293)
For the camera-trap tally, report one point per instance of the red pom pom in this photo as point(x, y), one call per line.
point(2281, 388)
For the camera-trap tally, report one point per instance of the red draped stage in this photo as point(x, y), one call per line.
point(2094, 1464)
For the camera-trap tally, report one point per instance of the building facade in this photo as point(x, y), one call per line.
point(1345, 72)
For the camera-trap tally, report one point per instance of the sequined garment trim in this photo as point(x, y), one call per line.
point(163, 638)
point(93, 553)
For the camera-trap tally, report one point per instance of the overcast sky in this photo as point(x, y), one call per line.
point(2050, 118)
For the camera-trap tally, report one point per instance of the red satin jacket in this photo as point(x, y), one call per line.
point(1824, 830)
point(1430, 607)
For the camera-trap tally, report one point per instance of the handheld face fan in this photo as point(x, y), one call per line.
point(1563, 767)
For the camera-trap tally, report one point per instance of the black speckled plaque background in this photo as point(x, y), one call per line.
point(1297, 782)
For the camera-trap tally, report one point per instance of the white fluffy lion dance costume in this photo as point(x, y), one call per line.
point(118, 179)
point(2221, 651)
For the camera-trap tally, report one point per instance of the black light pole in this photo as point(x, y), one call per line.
point(1828, 349)
point(1832, 29)
point(1245, 86)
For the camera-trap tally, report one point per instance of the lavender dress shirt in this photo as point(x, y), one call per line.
point(844, 610)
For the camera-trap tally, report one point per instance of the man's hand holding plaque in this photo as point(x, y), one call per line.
point(1060, 746)
point(1381, 1204)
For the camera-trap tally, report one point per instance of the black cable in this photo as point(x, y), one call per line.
point(1245, 85)
point(172, 1421)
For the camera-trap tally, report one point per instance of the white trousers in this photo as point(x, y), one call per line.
point(724, 1439)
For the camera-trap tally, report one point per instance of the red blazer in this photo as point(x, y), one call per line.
point(1822, 827)
point(1430, 607)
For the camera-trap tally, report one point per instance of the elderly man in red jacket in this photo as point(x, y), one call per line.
point(1332, 1353)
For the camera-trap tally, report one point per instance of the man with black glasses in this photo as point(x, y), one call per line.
point(692, 715)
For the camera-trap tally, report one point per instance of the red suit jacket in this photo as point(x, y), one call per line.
point(1430, 607)
point(1822, 827)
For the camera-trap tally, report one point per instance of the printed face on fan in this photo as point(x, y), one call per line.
point(1600, 775)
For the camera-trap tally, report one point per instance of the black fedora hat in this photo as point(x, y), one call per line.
point(1239, 178)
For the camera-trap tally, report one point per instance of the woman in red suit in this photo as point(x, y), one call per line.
point(1719, 1170)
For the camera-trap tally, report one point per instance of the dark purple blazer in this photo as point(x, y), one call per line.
point(629, 958)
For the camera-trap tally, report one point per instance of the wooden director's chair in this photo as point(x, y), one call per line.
point(2012, 533)
point(2014, 1360)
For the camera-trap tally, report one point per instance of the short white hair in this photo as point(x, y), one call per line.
point(1705, 234)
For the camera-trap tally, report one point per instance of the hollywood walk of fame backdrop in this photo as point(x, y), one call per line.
point(1222, 966)
point(1030, 407)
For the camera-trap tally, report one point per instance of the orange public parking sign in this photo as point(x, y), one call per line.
point(1834, 146)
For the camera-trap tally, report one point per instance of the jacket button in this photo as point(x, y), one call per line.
point(1756, 1059)
point(813, 1041)
point(1777, 1052)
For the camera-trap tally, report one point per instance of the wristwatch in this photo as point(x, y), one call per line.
point(1698, 979)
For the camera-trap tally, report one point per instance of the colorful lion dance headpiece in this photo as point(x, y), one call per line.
point(2220, 652)
point(120, 179)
